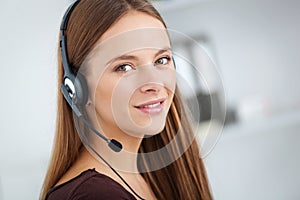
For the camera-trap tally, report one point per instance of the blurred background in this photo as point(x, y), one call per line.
point(255, 46)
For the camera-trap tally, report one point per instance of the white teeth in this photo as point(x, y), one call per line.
point(152, 105)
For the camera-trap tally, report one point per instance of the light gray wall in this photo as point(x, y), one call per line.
point(29, 31)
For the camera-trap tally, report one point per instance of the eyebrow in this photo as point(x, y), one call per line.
point(131, 57)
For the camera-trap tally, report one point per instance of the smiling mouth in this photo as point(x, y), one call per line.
point(152, 107)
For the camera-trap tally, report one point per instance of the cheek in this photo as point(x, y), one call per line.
point(103, 99)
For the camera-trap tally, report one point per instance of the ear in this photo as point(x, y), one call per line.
point(89, 102)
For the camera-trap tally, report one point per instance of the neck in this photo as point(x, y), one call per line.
point(121, 162)
point(125, 160)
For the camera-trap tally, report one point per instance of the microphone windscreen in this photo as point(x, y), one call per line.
point(115, 145)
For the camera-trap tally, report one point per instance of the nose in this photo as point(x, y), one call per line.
point(150, 88)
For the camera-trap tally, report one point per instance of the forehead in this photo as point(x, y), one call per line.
point(131, 21)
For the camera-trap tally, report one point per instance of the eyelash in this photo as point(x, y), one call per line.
point(118, 68)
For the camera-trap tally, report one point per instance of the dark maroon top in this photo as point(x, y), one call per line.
point(89, 185)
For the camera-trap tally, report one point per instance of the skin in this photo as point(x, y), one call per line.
point(103, 94)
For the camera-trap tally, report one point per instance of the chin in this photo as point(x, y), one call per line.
point(154, 130)
point(145, 131)
point(153, 134)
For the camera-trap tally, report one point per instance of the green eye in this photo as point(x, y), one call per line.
point(124, 68)
point(162, 61)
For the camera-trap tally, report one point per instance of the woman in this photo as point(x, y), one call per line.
point(130, 104)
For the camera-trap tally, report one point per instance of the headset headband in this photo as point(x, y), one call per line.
point(63, 41)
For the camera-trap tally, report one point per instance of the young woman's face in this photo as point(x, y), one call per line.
point(132, 76)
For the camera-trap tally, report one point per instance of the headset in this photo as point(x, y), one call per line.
point(74, 86)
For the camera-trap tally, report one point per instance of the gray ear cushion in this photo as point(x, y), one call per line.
point(81, 90)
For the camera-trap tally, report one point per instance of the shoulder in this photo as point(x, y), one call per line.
point(99, 187)
point(90, 185)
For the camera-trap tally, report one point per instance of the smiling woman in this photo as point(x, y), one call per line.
point(120, 83)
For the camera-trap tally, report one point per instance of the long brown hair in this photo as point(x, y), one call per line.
point(186, 177)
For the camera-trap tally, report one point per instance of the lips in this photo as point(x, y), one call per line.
point(152, 107)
